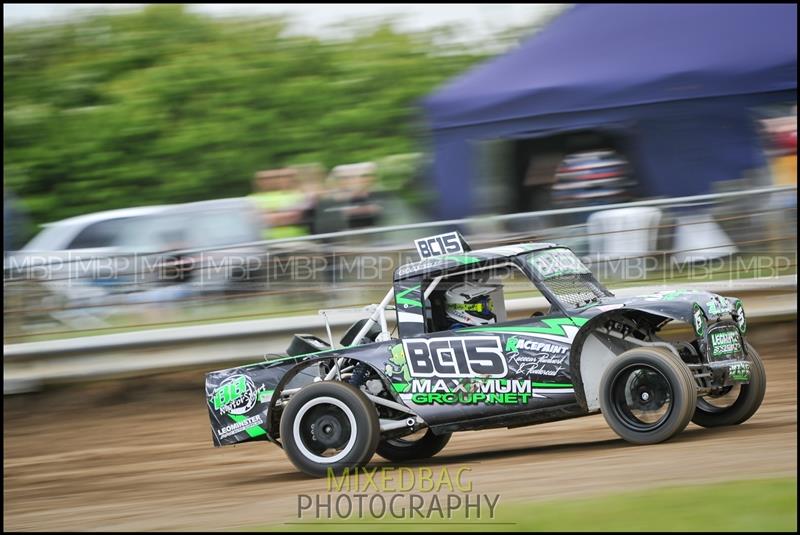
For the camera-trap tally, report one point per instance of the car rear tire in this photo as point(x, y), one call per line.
point(407, 449)
point(647, 395)
point(329, 426)
point(745, 405)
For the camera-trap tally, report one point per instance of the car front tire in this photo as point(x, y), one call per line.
point(647, 395)
point(329, 426)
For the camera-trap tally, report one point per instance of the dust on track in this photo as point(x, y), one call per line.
point(137, 455)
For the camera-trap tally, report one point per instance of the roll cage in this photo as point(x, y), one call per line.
point(548, 266)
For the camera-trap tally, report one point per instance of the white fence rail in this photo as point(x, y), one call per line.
point(76, 298)
point(27, 366)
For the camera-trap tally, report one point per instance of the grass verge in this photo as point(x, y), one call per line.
point(752, 505)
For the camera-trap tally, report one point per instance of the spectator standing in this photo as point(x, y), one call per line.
point(283, 203)
point(360, 206)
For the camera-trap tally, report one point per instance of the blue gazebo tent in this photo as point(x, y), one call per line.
point(677, 80)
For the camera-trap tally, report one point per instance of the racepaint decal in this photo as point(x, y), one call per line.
point(536, 357)
point(514, 344)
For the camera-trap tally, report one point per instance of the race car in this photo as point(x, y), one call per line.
point(455, 362)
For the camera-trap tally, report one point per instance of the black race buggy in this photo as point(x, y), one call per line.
point(332, 408)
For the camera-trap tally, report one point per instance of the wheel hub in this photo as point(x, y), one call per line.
point(647, 394)
point(328, 431)
point(643, 396)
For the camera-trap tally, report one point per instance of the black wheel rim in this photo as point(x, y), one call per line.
point(642, 397)
point(325, 430)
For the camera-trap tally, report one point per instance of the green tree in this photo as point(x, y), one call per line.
point(162, 106)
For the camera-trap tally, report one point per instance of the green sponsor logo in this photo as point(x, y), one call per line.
point(397, 364)
point(236, 395)
point(718, 306)
point(740, 371)
point(741, 321)
point(666, 295)
point(514, 345)
point(511, 344)
point(453, 398)
point(230, 391)
point(725, 343)
point(479, 391)
point(699, 320)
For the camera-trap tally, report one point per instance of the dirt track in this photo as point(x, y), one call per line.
point(138, 456)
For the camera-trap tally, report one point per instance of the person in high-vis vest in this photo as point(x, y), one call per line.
point(283, 204)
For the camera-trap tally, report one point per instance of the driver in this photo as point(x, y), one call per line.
point(469, 304)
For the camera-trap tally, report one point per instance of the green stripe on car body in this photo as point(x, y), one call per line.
point(253, 431)
point(554, 326)
point(462, 259)
point(281, 359)
point(403, 300)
